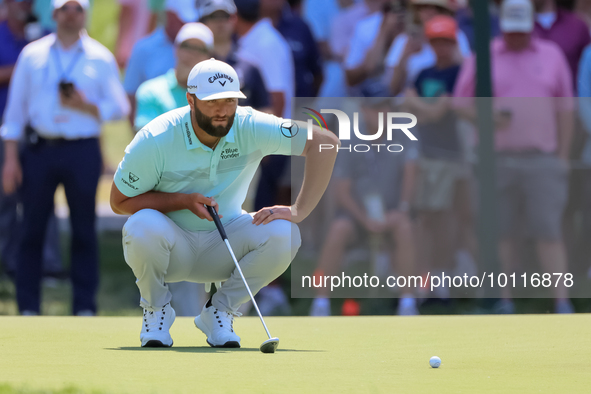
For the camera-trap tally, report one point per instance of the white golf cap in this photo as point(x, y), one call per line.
point(60, 3)
point(186, 10)
point(517, 16)
point(195, 30)
point(212, 79)
point(210, 6)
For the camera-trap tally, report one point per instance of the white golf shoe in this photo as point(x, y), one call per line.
point(217, 325)
point(156, 327)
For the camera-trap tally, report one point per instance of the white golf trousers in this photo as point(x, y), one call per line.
point(160, 252)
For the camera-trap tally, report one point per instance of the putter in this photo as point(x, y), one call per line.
point(270, 345)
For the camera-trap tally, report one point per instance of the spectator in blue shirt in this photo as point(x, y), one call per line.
point(153, 55)
point(583, 248)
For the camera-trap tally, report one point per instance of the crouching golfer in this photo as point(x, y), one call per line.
point(207, 154)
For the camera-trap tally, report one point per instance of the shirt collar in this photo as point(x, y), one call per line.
point(502, 48)
point(78, 45)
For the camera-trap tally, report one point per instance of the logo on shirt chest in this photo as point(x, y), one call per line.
point(188, 133)
point(229, 153)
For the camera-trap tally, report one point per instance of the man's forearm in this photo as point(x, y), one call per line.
point(317, 173)
point(277, 103)
point(398, 78)
point(468, 113)
point(5, 74)
point(565, 133)
point(10, 151)
point(408, 182)
point(356, 75)
point(162, 202)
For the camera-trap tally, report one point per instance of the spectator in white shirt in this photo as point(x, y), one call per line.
point(262, 45)
point(64, 87)
point(369, 44)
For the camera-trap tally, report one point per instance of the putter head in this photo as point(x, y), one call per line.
point(270, 345)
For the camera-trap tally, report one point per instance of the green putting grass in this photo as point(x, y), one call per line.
point(480, 354)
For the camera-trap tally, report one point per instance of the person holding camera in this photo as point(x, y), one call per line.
point(64, 87)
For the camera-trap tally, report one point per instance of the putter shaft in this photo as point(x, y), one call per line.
point(246, 284)
point(222, 231)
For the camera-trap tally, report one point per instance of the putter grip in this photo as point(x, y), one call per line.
point(217, 221)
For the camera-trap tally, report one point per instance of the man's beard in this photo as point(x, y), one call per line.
point(204, 122)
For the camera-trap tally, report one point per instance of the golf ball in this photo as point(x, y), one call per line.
point(434, 362)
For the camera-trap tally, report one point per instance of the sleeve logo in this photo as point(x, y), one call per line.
point(289, 129)
point(131, 180)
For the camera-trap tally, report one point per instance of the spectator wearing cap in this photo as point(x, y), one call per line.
point(262, 45)
point(64, 87)
point(563, 27)
point(442, 195)
point(532, 139)
point(154, 55)
point(305, 52)
point(14, 36)
point(193, 44)
point(220, 17)
point(411, 53)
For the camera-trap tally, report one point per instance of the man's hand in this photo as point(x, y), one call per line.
point(267, 215)
point(413, 45)
point(197, 203)
point(502, 120)
point(12, 176)
point(76, 101)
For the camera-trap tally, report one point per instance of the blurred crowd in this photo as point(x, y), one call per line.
point(58, 86)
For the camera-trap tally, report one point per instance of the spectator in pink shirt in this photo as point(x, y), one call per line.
point(533, 107)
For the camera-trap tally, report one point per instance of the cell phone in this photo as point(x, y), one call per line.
point(506, 113)
point(67, 88)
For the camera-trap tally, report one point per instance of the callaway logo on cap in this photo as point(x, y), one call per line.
point(212, 79)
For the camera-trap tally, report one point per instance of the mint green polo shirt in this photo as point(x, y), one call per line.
point(157, 96)
point(166, 156)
